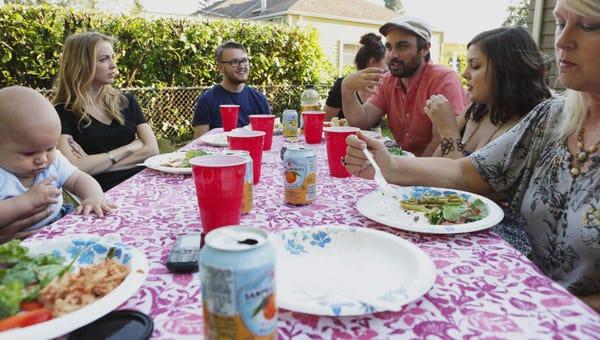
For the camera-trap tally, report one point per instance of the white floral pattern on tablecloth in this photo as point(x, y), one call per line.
point(484, 288)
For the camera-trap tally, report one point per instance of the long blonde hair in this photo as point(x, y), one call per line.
point(76, 75)
point(575, 110)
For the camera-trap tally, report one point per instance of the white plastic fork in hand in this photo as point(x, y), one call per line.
point(386, 188)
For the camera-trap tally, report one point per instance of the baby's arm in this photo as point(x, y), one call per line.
point(86, 187)
point(24, 206)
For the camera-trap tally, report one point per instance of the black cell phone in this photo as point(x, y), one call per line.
point(184, 255)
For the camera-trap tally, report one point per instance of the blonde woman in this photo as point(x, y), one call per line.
point(547, 166)
point(104, 132)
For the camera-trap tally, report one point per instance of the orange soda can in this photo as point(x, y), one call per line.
point(299, 175)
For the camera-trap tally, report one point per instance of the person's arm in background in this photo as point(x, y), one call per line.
point(331, 112)
point(144, 134)
point(98, 163)
point(333, 104)
point(199, 130)
point(17, 210)
point(13, 230)
point(450, 87)
point(201, 120)
point(149, 148)
point(367, 115)
point(592, 300)
point(448, 126)
point(124, 157)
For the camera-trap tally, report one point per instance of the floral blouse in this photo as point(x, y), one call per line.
point(561, 214)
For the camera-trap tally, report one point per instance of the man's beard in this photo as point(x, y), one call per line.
point(237, 81)
point(234, 79)
point(408, 70)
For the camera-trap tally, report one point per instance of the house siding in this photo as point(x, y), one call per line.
point(334, 33)
point(546, 38)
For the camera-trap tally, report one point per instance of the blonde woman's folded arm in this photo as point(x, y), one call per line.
point(97, 163)
point(148, 149)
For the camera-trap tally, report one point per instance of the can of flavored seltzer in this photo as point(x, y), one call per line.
point(289, 120)
point(299, 175)
point(248, 198)
point(237, 274)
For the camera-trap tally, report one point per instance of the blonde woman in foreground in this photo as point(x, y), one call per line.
point(547, 166)
point(104, 132)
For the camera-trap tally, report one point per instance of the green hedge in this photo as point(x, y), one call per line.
point(156, 53)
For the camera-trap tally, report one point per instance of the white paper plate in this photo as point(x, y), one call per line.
point(215, 139)
point(96, 249)
point(156, 162)
point(390, 213)
point(276, 130)
point(340, 270)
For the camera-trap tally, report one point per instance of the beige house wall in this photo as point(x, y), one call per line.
point(542, 26)
point(334, 34)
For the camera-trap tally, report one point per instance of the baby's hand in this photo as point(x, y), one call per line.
point(98, 205)
point(44, 193)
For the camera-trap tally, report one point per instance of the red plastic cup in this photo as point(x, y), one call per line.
point(313, 126)
point(251, 141)
point(219, 181)
point(229, 116)
point(264, 123)
point(335, 141)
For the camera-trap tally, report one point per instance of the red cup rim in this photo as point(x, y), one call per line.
point(261, 116)
point(313, 113)
point(229, 160)
point(229, 105)
point(335, 129)
point(243, 133)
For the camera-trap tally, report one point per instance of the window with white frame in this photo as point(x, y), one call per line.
point(348, 52)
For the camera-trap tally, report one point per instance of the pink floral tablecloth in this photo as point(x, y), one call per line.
point(484, 288)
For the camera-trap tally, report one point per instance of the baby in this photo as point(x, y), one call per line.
point(32, 170)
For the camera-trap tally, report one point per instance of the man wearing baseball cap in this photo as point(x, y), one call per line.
point(403, 91)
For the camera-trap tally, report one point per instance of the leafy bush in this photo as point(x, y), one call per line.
point(156, 53)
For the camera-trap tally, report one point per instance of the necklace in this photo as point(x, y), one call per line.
point(489, 138)
point(472, 134)
point(582, 155)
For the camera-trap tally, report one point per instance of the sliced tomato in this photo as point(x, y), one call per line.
point(24, 319)
point(31, 305)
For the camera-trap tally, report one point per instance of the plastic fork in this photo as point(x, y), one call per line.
point(385, 187)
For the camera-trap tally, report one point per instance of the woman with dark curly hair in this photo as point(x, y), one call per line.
point(505, 76)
